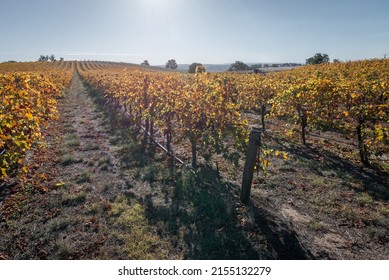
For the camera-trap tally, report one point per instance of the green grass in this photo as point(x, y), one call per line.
point(60, 224)
point(84, 177)
point(73, 199)
point(132, 155)
point(69, 159)
point(141, 242)
point(91, 147)
point(365, 198)
point(104, 163)
point(72, 143)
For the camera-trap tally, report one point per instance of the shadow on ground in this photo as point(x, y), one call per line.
point(374, 181)
point(207, 216)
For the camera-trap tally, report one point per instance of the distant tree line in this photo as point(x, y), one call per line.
point(274, 65)
point(196, 67)
point(49, 58)
point(240, 66)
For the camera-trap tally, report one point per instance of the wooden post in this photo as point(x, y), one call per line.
point(254, 144)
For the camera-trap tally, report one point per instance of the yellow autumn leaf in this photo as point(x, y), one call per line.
point(29, 116)
point(3, 172)
point(265, 162)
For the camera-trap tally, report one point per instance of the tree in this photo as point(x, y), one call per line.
point(145, 63)
point(239, 66)
point(61, 59)
point(47, 58)
point(43, 58)
point(195, 65)
point(318, 59)
point(172, 64)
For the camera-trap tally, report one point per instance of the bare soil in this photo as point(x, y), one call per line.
point(98, 194)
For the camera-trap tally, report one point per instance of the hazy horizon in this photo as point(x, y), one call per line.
point(209, 32)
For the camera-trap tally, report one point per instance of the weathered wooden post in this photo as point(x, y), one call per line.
point(254, 144)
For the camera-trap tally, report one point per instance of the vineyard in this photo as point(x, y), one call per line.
point(158, 159)
point(351, 99)
point(29, 93)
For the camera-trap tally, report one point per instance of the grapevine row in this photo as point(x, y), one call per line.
point(205, 109)
point(28, 103)
point(201, 109)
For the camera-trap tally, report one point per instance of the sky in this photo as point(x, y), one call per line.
point(205, 31)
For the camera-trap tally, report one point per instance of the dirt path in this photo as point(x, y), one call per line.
point(84, 214)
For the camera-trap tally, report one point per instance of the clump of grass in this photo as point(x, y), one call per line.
point(384, 210)
point(365, 198)
point(315, 225)
point(104, 163)
point(68, 128)
point(72, 143)
point(84, 177)
point(382, 165)
point(70, 139)
point(59, 224)
point(185, 185)
point(91, 147)
point(141, 243)
point(73, 199)
point(62, 249)
point(149, 173)
point(69, 159)
point(132, 155)
point(116, 137)
point(319, 182)
point(348, 213)
point(94, 208)
point(329, 173)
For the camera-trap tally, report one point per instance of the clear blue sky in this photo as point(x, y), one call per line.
point(206, 31)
